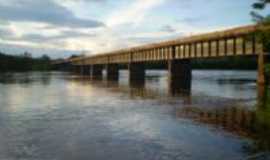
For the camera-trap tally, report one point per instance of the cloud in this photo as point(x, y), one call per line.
point(5, 33)
point(153, 37)
point(19, 49)
point(133, 13)
point(168, 28)
point(192, 20)
point(96, 1)
point(46, 11)
point(62, 36)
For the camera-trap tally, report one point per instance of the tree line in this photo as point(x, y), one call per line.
point(24, 62)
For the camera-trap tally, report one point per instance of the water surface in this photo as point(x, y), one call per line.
point(60, 116)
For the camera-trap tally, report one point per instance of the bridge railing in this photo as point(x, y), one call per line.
point(232, 42)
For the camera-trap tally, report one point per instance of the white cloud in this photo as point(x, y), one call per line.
point(132, 14)
point(119, 26)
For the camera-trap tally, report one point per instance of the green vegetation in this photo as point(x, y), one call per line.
point(263, 35)
point(263, 22)
point(267, 72)
point(25, 62)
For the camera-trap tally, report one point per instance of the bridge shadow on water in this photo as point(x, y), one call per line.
point(234, 116)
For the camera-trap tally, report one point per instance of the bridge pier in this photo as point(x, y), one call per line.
point(136, 73)
point(63, 67)
point(261, 74)
point(75, 69)
point(112, 72)
point(86, 70)
point(179, 76)
point(80, 69)
point(96, 71)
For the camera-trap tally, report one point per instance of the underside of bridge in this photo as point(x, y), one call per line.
point(179, 72)
point(179, 75)
point(112, 72)
point(96, 71)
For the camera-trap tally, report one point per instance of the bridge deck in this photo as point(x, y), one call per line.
point(231, 42)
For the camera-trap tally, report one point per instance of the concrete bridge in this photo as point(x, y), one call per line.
point(176, 55)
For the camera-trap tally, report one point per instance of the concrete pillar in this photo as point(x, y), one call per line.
point(73, 69)
point(112, 72)
point(97, 71)
point(179, 76)
point(63, 67)
point(81, 70)
point(261, 76)
point(86, 70)
point(136, 73)
point(78, 69)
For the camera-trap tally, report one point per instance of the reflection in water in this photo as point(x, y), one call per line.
point(63, 116)
point(25, 78)
point(253, 123)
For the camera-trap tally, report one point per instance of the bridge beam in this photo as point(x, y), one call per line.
point(179, 76)
point(136, 73)
point(96, 71)
point(112, 72)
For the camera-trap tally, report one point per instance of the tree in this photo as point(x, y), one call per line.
point(74, 56)
point(263, 21)
point(262, 34)
point(27, 55)
point(45, 57)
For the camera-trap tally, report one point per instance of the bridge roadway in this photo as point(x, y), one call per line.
point(176, 55)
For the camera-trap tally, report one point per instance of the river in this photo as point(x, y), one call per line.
point(62, 116)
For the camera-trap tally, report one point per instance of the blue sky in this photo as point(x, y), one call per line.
point(63, 27)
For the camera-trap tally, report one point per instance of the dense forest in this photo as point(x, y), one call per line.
point(24, 62)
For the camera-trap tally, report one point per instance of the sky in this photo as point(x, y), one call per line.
point(60, 28)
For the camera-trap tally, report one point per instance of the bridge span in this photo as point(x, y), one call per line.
point(176, 55)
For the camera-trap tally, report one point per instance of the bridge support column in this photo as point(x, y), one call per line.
point(73, 69)
point(81, 69)
point(78, 69)
point(86, 70)
point(261, 76)
point(136, 73)
point(96, 71)
point(112, 72)
point(179, 76)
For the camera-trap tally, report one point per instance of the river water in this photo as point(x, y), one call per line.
point(60, 116)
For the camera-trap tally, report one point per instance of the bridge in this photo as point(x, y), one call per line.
point(176, 55)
